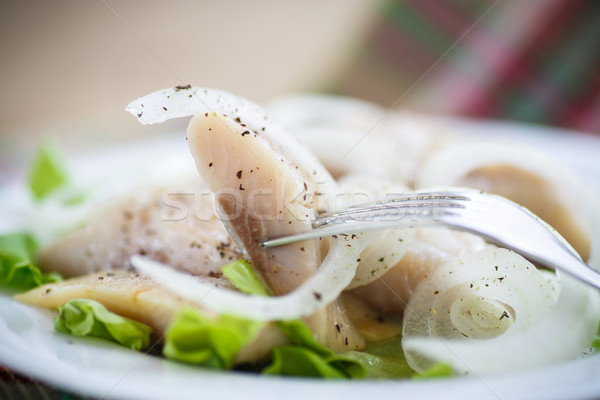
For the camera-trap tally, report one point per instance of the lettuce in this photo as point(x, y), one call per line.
point(17, 269)
point(380, 361)
point(46, 173)
point(300, 361)
point(196, 339)
point(82, 317)
point(242, 276)
point(301, 335)
point(439, 370)
point(595, 345)
point(310, 358)
point(306, 356)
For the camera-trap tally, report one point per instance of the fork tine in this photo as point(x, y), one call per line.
point(395, 208)
point(442, 198)
point(395, 213)
point(402, 211)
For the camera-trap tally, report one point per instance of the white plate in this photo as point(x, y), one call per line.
point(28, 343)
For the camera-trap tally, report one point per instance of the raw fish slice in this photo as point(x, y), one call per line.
point(386, 248)
point(260, 195)
point(429, 249)
point(140, 298)
point(125, 293)
point(174, 228)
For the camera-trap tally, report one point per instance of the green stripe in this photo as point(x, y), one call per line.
point(473, 9)
point(566, 67)
point(518, 103)
point(572, 65)
point(425, 31)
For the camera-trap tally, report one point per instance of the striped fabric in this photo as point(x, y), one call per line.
point(535, 60)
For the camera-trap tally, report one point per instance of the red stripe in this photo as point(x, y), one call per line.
point(488, 49)
point(449, 19)
point(545, 35)
point(581, 114)
point(518, 70)
point(446, 17)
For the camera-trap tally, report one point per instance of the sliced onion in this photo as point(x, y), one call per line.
point(494, 311)
point(334, 274)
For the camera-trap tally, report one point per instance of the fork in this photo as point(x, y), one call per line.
point(495, 218)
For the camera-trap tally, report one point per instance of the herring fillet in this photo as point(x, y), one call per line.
point(166, 226)
point(430, 248)
point(259, 195)
point(137, 297)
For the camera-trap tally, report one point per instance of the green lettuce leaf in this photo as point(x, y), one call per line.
point(439, 370)
point(379, 361)
point(595, 345)
point(306, 357)
point(82, 317)
point(301, 335)
point(47, 173)
point(300, 361)
point(197, 339)
point(241, 275)
point(17, 269)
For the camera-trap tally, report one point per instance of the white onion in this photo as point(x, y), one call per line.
point(334, 274)
point(520, 323)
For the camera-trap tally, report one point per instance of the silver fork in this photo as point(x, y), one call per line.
point(495, 218)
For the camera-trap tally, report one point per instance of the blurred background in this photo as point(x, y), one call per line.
point(70, 67)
